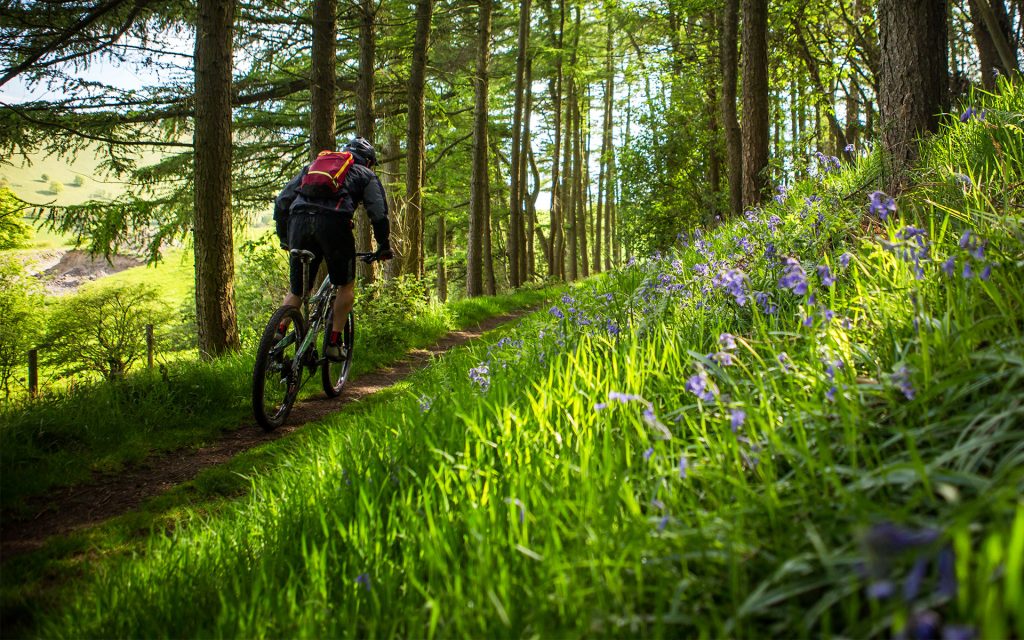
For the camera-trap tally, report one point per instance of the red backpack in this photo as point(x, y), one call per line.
point(326, 175)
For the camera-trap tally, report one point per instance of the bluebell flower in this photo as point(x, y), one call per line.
point(825, 275)
point(481, 376)
point(765, 302)
point(882, 205)
point(844, 260)
point(652, 421)
point(967, 272)
point(784, 360)
point(648, 454)
point(986, 273)
point(727, 340)
point(830, 395)
point(364, 580)
point(600, 406)
point(808, 321)
point(773, 222)
point(658, 504)
point(736, 419)
point(683, 466)
point(425, 404)
point(663, 522)
point(623, 397)
point(964, 180)
point(967, 115)
point(700, 386)
point(555, 311)
point(794, 277)
point(724, 358)
point(848, 148)
point(901, 378)
point(949, 266)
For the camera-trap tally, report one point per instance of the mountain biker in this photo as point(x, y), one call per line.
point(323, 225)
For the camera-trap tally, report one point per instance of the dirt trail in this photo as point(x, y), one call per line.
point(67, 509)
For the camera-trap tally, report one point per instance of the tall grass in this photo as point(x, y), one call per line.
point(64, 437)
point(692, 445)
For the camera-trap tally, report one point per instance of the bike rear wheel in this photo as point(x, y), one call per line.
point(335, 374)
point(276, 377)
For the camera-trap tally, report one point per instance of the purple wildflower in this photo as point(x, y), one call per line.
point(949, 266)
point(481, 376)
point(555, 311)
point(825, 275)
point(765, 302)
point(882, 205)
point(844, 260)
point(794, 277)
point(623, 397)
point(736, 419)
point(612, 328)
point(425, 404)
point(683, 466)
point(723, 358)
point(967, 272)
point(986, 273)
point(727, 340)
point(830, 395)
point(648, 454)
point(848, 148)
point(600, 406)
point(901, 378)
point(663, 523)
point(364, 579)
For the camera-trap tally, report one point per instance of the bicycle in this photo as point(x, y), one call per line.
point(284, 366)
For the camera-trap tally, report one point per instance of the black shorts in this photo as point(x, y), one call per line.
point(327, 236)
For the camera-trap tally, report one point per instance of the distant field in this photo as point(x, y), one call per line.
point(48, 179)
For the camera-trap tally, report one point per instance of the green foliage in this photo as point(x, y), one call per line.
point(13, 229)
point(621, 466)
point(102, 330)
point(56, 187)
point(78, 181)
point(20, 320)
point(262, 281)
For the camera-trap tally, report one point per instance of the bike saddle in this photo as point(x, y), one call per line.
point(302, 254)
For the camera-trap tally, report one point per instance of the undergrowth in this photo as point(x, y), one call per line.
point(807, 422)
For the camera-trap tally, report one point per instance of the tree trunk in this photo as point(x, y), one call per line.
point(607, 142)
point(442, 258)
point(479, 195)
point(529, 197)
point(212, 237)
point(392, 170)
point(755, 101)
point(730, 122)
point(516, 232)
point(415, 147)
point(366, 118)
point(914, 78)
point(569, 182)
point(995, 51)
point(555, 89)
point(322, 74)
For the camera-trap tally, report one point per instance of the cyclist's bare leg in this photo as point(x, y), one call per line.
point(343, 305)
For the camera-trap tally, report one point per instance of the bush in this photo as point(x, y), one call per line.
point(262, 281)
point(13, 230)
point(19, 319)
point(78, 181)
point(103, 330)
point(56, 186)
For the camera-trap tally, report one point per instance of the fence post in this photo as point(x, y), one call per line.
point(149, 346)
point(33, 372)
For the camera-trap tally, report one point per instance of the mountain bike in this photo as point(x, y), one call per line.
point(284, 365)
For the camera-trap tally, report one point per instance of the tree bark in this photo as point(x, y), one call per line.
point(914, 79)
point(442, 258)
point(516, 232)
point(321, 81)
point(415, 146)
point(556, 238)
point(392, 170)
point(213, 239)
point(366, 119)
point(529, 197)
point(730, 122)
point(755, 101)
point(604, 190)
point(479, 196)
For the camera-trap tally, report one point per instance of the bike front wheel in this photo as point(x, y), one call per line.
point(335, 374)
point(276, 376)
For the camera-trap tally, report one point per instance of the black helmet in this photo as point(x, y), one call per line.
point(362, 148)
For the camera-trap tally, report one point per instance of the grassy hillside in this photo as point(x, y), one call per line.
point(807, 422)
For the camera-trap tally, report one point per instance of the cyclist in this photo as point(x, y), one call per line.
point(324, 227)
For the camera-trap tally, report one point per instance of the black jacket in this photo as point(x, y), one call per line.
point(361, 186)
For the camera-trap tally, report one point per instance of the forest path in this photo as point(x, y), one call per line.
point(68, 509)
